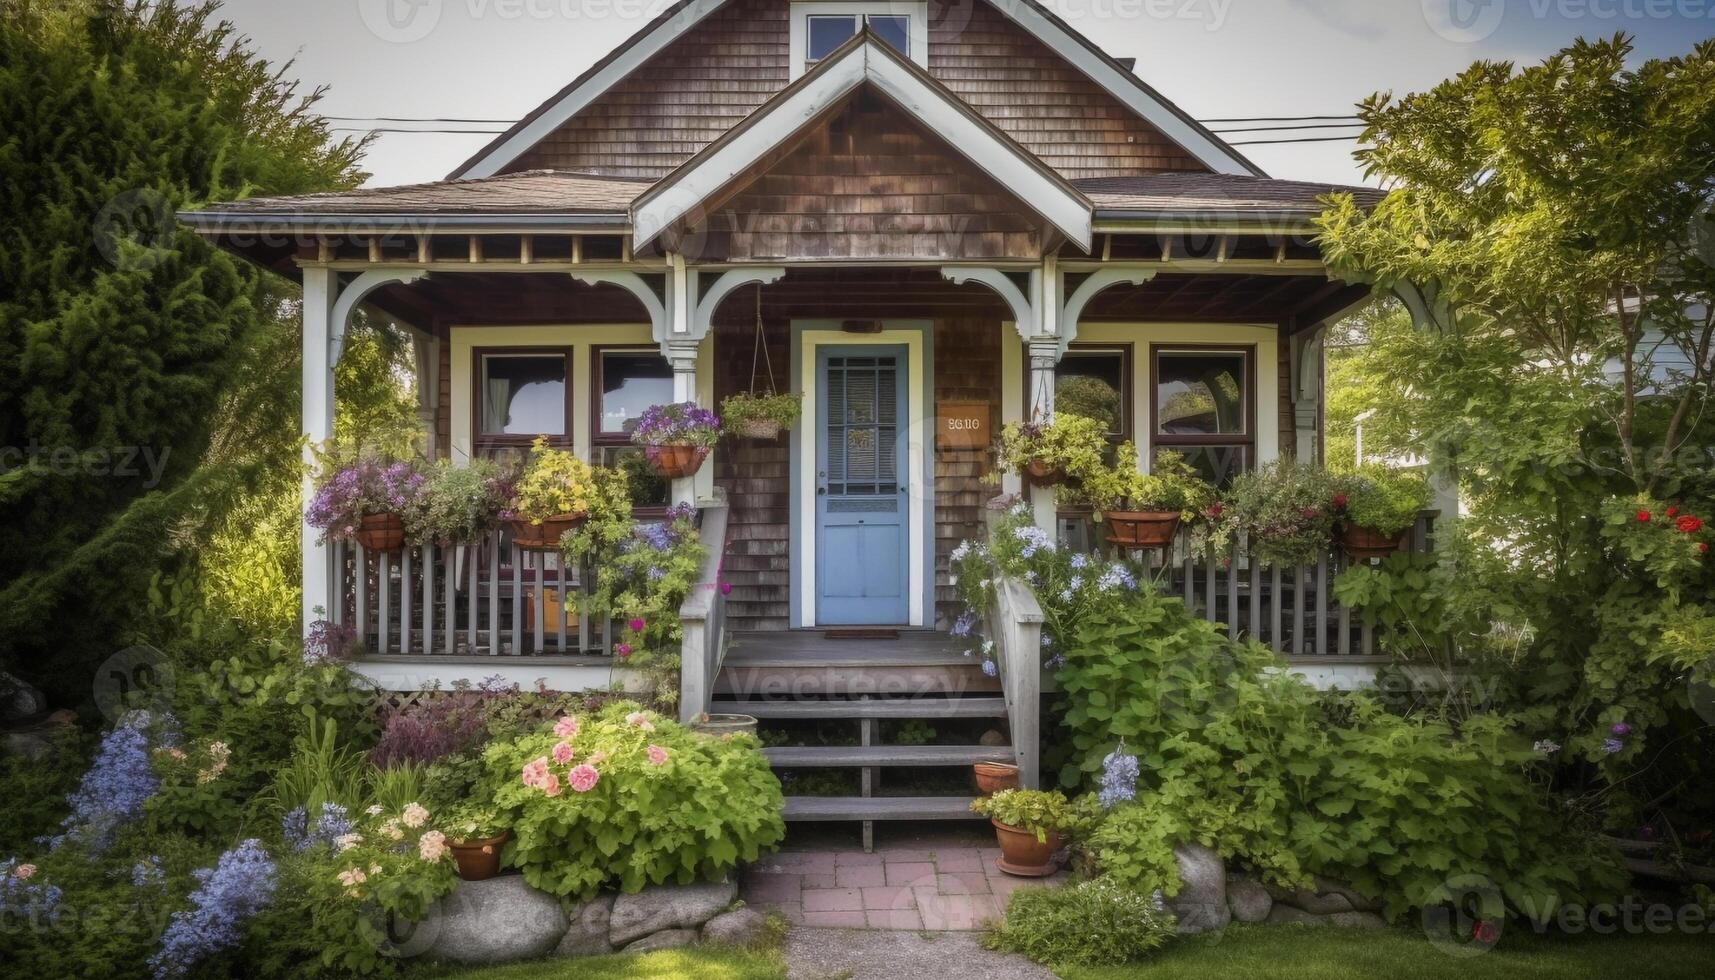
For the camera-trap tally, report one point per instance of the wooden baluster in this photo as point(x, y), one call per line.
point(337, 613)
point(473, 552)
point(540, 564)
point(450, 602)
point(562, 595)
point(1343, 644)
point(494, 593)
point(1274, 638)
point(1298, 609)
point(1232, 599)
point(360, 570)
point(1320, 648)
point(1190, 582)
point(1256, 595)
point(384, 593)
point(428, 598)
point(405, 592)
point(1211, 592)
point(517, 601)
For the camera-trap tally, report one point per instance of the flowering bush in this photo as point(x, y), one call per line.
point(641, 581)
point(1288, 510)
point(367, 486)
point(113, 792)
point(1072, 444)
point(1170, 485)
point(459, 504)
point(556, 483)
point(24, 895)
point(1381, 498)
point(1669, 546)
point(239, 886)
point(1092, 923)
point(624, 797)
point(677, 424)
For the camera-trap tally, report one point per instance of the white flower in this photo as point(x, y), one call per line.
point(374, 810)
point(414, 815)
point(346, 842)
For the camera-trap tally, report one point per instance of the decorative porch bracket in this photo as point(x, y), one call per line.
point(327, 310)
point(1097, 281)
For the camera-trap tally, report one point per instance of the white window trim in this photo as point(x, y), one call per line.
point(799, 25)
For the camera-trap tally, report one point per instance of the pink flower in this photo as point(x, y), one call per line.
point(636, 624)
point(551, 785)
point(563, 753)
point(641, 720)
point(414, 815)
point(24, 871)
point(583, 777)
point(623, 649)
point(566, 727)
point(726, 588)
point(535, 772)
point(657, 755)
point(432, 846)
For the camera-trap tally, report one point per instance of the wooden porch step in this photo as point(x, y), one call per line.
point(815, 808)
point(886, 755)
point(876, 708)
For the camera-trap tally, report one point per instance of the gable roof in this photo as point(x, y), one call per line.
point(863, 60)
point(676, 21)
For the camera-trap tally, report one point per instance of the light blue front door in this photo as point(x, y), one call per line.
point(861, 504)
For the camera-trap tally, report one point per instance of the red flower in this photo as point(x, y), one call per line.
point(1703, 546)
point(1485, 933)
point(1215, 510)
point(1672, 511)
point(1643, 517)
point(1689, 524)
point(1310, 513)
point(1339, 501)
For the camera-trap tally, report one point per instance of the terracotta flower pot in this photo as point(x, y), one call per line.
point(381, 532)
point(1142, 528)
point(675, 461)
point(760, 429)
point(992, 777)
point(546, 535)
point(719, 725)
point(1022, 854)
point(478, 858)
point(1362, 544)
point(1044, 474)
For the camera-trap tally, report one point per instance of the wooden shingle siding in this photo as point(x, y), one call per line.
point(755, 475)
point(866, 182)
point(967, 368)
point(725, 68)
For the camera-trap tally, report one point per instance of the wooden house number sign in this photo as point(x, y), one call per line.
point(962, 425)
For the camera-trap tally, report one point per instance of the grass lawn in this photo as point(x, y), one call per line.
point(667, 964)
point(1287, 953)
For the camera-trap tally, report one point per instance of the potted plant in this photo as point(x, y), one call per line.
point(459, 504)
point(1027, 823)
point(1377, 506)
point(754, 416)
point(1144, 510)
point(551, 497)
point(676, 437)
point(992, 777)
point(1047, 453)
point(1287, 511)
point(364, 501)
point(475, 836)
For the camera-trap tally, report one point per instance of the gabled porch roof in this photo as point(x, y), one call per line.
point(862, 61)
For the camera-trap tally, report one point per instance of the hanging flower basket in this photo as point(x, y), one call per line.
point(765, 429)
point(1142, 528)
point(1362, 543)
point(546, 535)
point(675, 461)
point(381, 532)
point(1044, 474)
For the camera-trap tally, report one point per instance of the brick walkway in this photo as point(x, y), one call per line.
point(933, 888)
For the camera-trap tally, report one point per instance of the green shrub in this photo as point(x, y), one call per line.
point(632, 799)
point(1072, 443)
point(1031, 810)
point(1287, 508)
point(1171, 484)
point(458, 504)
point(1092, 923)
point(1382, 499)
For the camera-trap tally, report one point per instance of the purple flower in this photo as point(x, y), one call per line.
point(962, 626)
point(676, 423)
point(113, 791)
point(989, 668)
point(147, 873)
point(240, 885)
point(1621, 729)
point(1612, 745)
point(1119, 778)
point(1117, 576)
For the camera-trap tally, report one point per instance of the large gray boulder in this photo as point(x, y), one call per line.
point(740, 927)
point(665, 939)
point(1248, 899)
point(19, 699)
point(667, 907)
point(586, 935)
point(1201, 904)
point(497, 921)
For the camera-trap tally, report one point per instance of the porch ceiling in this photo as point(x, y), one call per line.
point(847, 293)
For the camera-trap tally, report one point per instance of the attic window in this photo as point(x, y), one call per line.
point(819, 27)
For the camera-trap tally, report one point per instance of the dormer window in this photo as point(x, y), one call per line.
point(819, 27)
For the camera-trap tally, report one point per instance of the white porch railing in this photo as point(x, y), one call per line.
point(702, 617)
point(484, 598)
point(1015, 625)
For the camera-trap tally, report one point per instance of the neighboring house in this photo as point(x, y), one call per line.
point(915, 217)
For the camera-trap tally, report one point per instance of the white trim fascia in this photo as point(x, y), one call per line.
point(573, 102)
point(919, 430)
point(1210, 151)
point(681, 194)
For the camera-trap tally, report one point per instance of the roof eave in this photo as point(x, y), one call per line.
point(425, 223)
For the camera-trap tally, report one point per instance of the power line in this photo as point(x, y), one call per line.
point(418, 119)
point(1234, 119)
point(1266, 129)
point(389, 129)
point(1299, 139)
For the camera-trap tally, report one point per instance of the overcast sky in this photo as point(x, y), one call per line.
point(497, 59)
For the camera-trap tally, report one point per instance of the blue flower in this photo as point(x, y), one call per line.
point(962, 625)
point(240, 885)
point(1612, 745)
point(1080, 561)
point(1119, 778)
point(26, 898)
point(1034, 539)
point(147, 873)
point(1117, 576)
point(330, 825)
point(989, 668)
point(113, 791)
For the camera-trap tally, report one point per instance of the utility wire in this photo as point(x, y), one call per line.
point(1235, 119)
point(1300, 139)
point(1266, 129)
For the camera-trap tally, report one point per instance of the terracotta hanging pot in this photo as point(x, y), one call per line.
point(478, 859)
point(1362, 544)
point(1022, 854)
point(675, 461)
point(546, 535)
point(992, 777)
point(1044, 474)
point(1142, 528)
point(381, 532)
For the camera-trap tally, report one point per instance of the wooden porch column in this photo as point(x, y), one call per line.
point(683, 356)
point(1044, 357)
point(317, 405)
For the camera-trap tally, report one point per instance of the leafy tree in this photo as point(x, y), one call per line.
point(1557, 219)
point(130, 365)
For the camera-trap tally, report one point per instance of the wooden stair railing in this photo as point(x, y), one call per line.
point(1015, 625)
point(702, 616)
